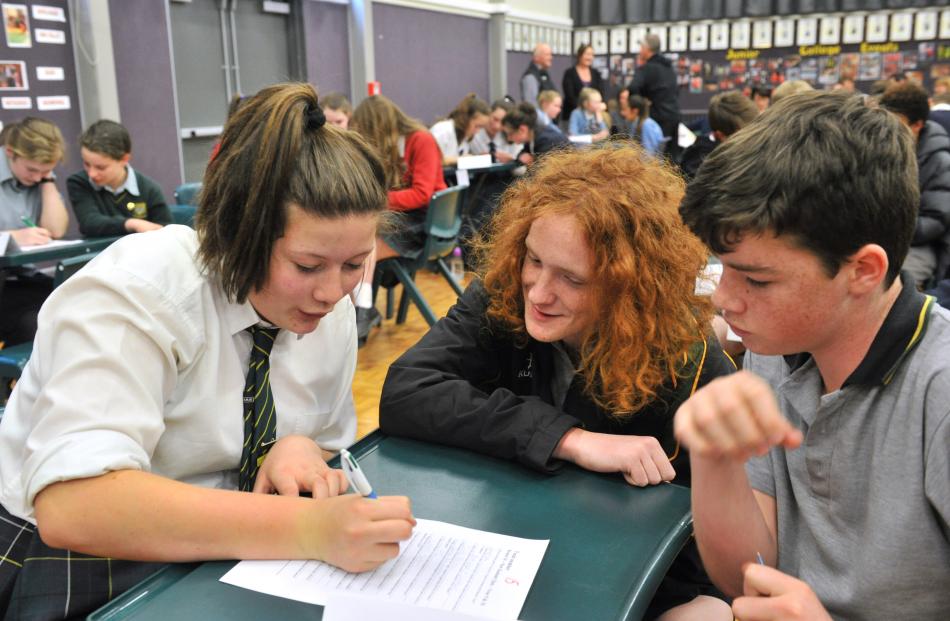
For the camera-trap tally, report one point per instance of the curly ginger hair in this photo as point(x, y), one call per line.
point(645, 266)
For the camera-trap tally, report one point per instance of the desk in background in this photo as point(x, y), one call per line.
point(610, 544)
point(55, 253)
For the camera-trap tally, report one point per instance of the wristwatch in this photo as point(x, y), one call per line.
point(46, 180)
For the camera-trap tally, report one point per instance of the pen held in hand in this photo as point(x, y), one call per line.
point(354, 474)
point(28, 222)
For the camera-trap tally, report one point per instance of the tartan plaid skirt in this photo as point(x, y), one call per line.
point(38, 582)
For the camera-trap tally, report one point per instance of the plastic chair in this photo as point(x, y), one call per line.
point(14, 358)
point(183, 214)
point(187, 193)
point(443, 221)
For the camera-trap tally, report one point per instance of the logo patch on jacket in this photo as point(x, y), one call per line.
point(137, 210)
point(527, 371)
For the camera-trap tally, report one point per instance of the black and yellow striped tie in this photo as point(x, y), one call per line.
point(260, 415)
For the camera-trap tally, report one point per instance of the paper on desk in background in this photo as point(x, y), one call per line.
point(51, 244)
point(706, 284)
point(442, 566)
point(342, 607)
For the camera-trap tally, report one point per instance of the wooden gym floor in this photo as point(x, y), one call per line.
point(388, 342)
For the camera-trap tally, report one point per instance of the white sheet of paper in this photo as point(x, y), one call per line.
point(443, 566)
point(51, 244)
point(342, 607)
point(468, 162)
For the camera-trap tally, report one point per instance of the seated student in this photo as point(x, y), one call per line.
point(491, 139)
point(141, 362)
point(336, 107)
point(728, 113)
point(635, 110)
point(549, 108)
point(413, 173)
point(761, 96)
point(33, 213)
point(587, 119)
point(108, 197)
point(546, 359)
point(928, 258)
point(940, 109)
point(521, 127)
point(828, 455)
point(791, 87)
point(454, 133)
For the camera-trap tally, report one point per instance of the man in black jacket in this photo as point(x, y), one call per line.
point(535, 78)
point(929, 256)
point(656, 80)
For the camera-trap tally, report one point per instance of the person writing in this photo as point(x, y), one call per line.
point(578, 341)
point(193, 382)
point(521, 127)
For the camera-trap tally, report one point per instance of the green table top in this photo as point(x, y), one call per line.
point(610, 543)
point(55, 253)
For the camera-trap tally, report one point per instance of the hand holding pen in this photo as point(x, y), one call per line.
point(31, 234)
point(354, 474)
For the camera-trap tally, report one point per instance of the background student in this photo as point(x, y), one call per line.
point(728, 113)
point(337, 109)
point(546, 358)
point(33, 213)
point(830, 457)
point(180, 371)
point(108, 196)
point(412, 164)
point(491, 139)
point(636, 112)
point(589, 118)
point(521, 127)
point(454, 133)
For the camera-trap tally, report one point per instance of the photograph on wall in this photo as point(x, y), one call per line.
point(16, 103)
point(909, 61)
point(17, 25)
point(807, 31)
point(927, 52)
point(809, 69)
point(678, 38)
point(891, 64)
point(660, 31)
point(741, 35)
point(870, 67)
point(830, 30)
point(876, 28)
point(945, 24)
point(719, 36)
point(762, 34)
point(636, 37)
point(853, 29)
point(699, 37)
point(600, 64)
point(849, 65)
point(925, 25)
point(581, 37)
point(901, 24)
point(784, 33)
point(828, 72)
point(13, 76)
point(618, 40)
point(600, 42)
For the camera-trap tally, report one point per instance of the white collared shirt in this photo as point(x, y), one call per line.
point(140, 363)
point(444, 134)
point(130, 185)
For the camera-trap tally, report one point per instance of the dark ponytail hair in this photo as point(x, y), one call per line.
point(642, 106)
point(276, 150)
point(524, 114)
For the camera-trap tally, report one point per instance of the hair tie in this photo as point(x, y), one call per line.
point(315, 117)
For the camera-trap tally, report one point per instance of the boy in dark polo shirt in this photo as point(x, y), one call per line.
point(108, 197)
point(826, 459)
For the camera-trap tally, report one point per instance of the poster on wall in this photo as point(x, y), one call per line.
point(599, 41)
point(13, 76)
point(876, 28)
point(16, 103)
point(509, 36)
point(50, 74)
point(925, 26)
point(719, 36)
point(618, 40)
point(784, 35)
point(829, 32)
point(636, 36)
point(581, 37)
point(853, 29)
point(901, 24)
point(17, 25)
point(55, 102)
point(807, 32)
point(741, 35)
point(762, 34)
point(678, 38)
point(699, 37)
point(46, 13)
point(945, 24)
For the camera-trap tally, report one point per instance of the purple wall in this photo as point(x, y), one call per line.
point(518, 62)
point(427, 61)
point(143, 74)
point(328, 53)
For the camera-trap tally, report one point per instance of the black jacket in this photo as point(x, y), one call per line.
point(695, 154)
point(933, 166)
point(572, 85)
point(656, 81)
point(468, 386)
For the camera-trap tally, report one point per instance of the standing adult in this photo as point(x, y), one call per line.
point(535, 78)
point(656, 80)
point(578, 77)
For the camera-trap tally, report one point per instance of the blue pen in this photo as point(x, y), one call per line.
point(28, 222)
point(354, 474)
point(759, 558)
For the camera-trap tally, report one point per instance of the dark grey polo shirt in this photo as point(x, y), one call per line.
point(864, 504)
point(17, 201)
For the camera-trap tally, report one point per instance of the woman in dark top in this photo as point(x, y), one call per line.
point(581, 75)
point(579, 341)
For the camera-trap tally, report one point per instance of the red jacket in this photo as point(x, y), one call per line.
point(423, 176)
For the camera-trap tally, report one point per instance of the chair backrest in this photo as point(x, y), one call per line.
point(183, 214)
point(68, 267)
point(187, 193)
point(443, 222)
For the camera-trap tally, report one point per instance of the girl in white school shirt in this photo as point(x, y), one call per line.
point(127, 437)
